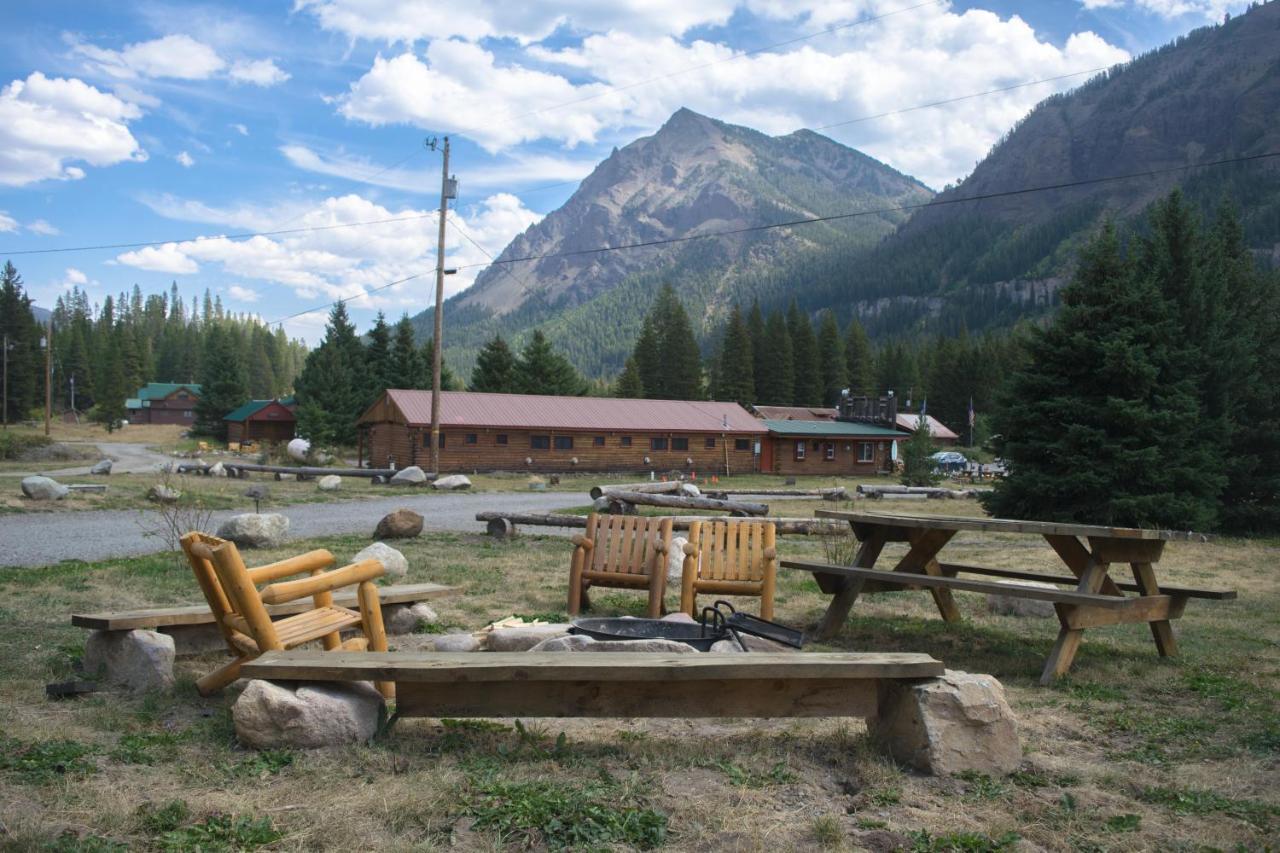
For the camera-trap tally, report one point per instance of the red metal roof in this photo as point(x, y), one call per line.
point(599, 414)
point(795, 413)
point(936, 428)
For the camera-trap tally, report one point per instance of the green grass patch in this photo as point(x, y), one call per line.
point(1191, 801)
point(743, 777)
point(563, 816)
point(43, 762)
point(221, 833)
point(960, 842)
point(980, 786)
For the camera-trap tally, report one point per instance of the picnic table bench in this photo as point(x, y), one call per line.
point(612, 684)
point(1087, 550)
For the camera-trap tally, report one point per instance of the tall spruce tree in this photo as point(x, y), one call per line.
point(223, 383)
point(378, 356)
point(831, 359)
point(917, 465)
point(806, 375)
point(19, 328)
point(776, 384)
point(448, 382)
point(1097, 426)
point(495, 369)
point(406, 364)
point(680, 359)
point(735, 375)
point(759, 352)
point(647, 356)
point(109, 389)
point(858, 360)
point(542, 370)
point(629, 385)
point(331, 390)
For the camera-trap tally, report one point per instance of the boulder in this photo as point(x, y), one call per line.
point(680, 616)
point(457, 643)
point(43, 489)
point(727, 647)
point(601, 504)
point(163, 494)
point(217, 469)
point(329, 483)
point(298, 449)
point(251, 530)
point(761, 644)
point(689, 490)
point(523, 637)
point(951, 724)
point(583, 643)
point(393, 561)
point(675, 562)
point(405, 618)
point(411, 476)
point(269, 715)
point(401, 524)
point(137, 660)
point(452, 483)
point(1012, 605)
point(103, 468)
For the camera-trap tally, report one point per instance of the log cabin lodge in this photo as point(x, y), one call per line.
point(526, 432)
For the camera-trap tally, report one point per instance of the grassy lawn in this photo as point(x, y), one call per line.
point(1131, 752)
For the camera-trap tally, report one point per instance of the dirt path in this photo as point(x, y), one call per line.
point(126, 458)
point(44, 538)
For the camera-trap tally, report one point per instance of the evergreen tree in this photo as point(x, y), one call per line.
point(378, 356)
point(223, 383)
point(806, 375)
point(735, 374)
point(859, 363)
point(1099, 426)
point(331, 389)
point(261, 373)
point(831, 359)
point(19, 327)
point(542, 370)
point(109, 390)
point(681, 358)
point(917, 466)
point(447, 380)
point(776, 384)
point(648, 359)
point(629, 385)
point(759, 352)
point(406, 363)
point(495, 369)
point(898, 370)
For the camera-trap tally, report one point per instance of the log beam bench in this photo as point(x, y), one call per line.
point(614, 684)
point(194, 632)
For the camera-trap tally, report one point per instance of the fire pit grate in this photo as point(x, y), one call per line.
point(715, 626)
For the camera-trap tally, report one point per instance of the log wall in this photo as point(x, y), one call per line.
point(782, 457)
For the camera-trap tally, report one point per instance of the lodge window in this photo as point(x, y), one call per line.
point(830, 450)
point(472, 438)
point(188, 413)
point(711, 443)
point(426, 440)
point(502, 438)
point(626, 441)
point(866, 452)
point(598, 441)
point(657, 444)
point(742, 444)
point(564, 442)
point(679, 444)
point(540, 442)
point(800, 450)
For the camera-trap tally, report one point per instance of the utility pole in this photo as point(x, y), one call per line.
point(48, 374)
point(4, 404)
point(448, 190)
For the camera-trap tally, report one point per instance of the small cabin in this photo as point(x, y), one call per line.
point(164, 403)
point(261, 420)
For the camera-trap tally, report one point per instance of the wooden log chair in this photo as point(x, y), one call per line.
point(621, 552)
point(240, 611)
point(730, 558)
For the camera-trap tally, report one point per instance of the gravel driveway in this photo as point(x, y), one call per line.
point(44, 538)
point(125, 458)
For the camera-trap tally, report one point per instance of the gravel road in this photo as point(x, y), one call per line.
point(45, 538)
point(125, 458)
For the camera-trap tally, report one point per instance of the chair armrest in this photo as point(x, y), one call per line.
point(303, 563)
point(366, 570)
point(660, 546)
point(581, 541)
point(690, 549)
point(770, 553)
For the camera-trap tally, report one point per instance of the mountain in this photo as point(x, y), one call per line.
point(1211, 95)
point(694, 176)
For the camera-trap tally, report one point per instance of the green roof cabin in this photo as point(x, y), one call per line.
point(164, 403)
point(827, 447)
point(260, 420)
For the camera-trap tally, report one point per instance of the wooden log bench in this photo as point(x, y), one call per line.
point(502, 525)
point(194, 632)
point(613, 684)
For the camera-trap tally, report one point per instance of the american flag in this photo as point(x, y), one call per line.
point(970, 411)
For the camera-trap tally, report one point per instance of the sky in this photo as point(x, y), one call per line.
point(187, 124)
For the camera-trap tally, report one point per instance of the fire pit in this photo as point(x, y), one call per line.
point(715, 626)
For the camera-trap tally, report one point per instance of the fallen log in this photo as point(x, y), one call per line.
point(686, 502)
point(382, 475)
point(670, 487)
point(504, 524)
point(838, 493)
point(89, 487)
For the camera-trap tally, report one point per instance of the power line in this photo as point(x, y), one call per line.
point(347, 299)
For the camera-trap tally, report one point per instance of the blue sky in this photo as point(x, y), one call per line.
point(146, 121)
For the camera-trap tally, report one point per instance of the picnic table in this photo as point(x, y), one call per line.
point(1089, 551)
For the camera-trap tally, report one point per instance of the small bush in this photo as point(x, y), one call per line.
point(15, 445)
point(563, 816)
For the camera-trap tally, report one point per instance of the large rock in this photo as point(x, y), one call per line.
point(675, 562)
point(252, 530)
point(457, 643)
point(1013, 605)
point(137, 660)
point(195, 639)
point(689, 490)
point(951, 724)
point(43, 489)
point(405, 618)
point(306, 716)
point(523, 637)
point(401, 524)
point(217, 469)
point(583, 643)
point(452, 483)
point(329, 483)
point(727, 647)
point(298, 449)
point(411, 476)
point(679, 616)
point(103, 468)
point(163, 494)
point(393, 562)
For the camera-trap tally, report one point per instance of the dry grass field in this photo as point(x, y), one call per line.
point(1129, 753)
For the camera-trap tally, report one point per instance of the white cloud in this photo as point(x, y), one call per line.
point(48, 123)
point(176, 56)
point(242, 294)
point(167, 258)
point(411, 20)
point(185, 160)
point(909, 59)
point(259, 72)
point(1207, 9)
point(240, 129)
point(74, 276)
point(7, 222)
point(43, 228)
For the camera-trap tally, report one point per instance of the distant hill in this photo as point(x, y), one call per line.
point(695, 175)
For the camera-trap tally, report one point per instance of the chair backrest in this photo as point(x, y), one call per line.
point(207, 579)
point(247, 612)
point(732, 550)
point(626, 544)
